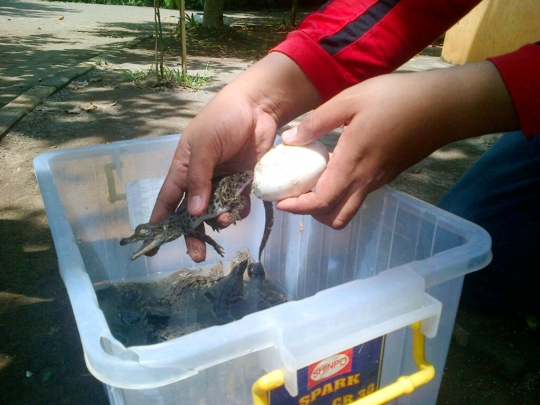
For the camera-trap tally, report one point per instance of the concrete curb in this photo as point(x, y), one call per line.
point(17, 109)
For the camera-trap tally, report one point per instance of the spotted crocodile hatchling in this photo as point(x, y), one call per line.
point(260, 292)
point(213, 292)
point(198, 302)
point(123, 307)
point(266, 291)
point(179, 279)
point(187, 301)
point(226, 197)
point(135, 310)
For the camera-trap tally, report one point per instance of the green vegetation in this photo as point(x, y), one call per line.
point(191, 21)
point(189, 81)
point(171, 76)
point(246, 40)
point(137, 77)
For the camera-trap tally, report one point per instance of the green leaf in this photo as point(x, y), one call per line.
point(46, 376)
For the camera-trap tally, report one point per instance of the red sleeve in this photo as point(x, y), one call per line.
point(348, 41)
point(520, 71)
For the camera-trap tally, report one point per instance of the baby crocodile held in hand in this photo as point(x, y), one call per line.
point(226, 197)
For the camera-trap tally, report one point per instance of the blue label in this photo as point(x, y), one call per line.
point(337, 380)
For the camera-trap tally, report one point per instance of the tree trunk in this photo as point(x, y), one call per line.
point(158, 42)
point(293, 13)
point(213, 13)
point(182, 8)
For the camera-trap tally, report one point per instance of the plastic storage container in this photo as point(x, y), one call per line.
point(399, 261)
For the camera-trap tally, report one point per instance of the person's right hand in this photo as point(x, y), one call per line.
point(231, 134)
point(228, 136)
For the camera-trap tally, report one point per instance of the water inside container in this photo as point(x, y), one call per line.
point(142, 311)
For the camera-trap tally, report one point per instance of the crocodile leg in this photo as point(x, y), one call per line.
point(204, 237)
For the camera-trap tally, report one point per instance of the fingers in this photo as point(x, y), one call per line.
point(190, 166)
point(169, 196)
point(335, 200)
point(196, 248)
point(203, 157)
point(175, 185)
point(171, 192)
point(226, 219)
point(340, 190)
point(329, 116)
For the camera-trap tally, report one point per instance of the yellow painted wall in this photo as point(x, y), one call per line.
point(492, 28)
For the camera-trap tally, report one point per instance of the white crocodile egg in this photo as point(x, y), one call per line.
point(289, 171)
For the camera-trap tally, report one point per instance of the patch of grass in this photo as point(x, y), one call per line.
point(189, 81)
point(191, 21)
point(171, 77)
point(137, 77)
point(98, 60)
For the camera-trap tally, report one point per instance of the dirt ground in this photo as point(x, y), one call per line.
point(41, 359)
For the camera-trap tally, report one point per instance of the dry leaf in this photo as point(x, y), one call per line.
point(89, 107)
point(61, 18)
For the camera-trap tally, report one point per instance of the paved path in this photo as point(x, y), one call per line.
point(40, 38)
point(44, 45)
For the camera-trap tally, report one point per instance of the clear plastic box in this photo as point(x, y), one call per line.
point(399, 261)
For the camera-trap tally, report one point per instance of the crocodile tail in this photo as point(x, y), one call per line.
point(268, 223)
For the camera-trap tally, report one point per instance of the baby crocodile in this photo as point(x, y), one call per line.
point(226, 292)
point(260, 292)
point(198, 302)
point(265, 290)
point(226, 197)
point(208, 295)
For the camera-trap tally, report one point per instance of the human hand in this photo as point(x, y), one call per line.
point(390, 123)
point(235, 136)
point(230, 134)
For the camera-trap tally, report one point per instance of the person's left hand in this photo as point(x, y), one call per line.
point(390, 123)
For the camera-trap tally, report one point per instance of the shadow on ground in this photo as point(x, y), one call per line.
point(41, 357)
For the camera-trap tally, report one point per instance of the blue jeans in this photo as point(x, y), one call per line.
point(501, 193)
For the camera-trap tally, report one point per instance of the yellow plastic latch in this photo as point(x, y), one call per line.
point(403, 385)
point(266, 383)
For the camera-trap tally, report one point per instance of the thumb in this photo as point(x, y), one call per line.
point(199, 180)
point(325, 118)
